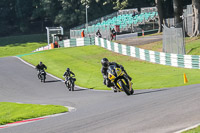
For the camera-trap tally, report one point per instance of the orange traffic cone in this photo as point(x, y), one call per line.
point(185, 78)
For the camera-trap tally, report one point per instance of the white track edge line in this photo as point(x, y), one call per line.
point(186, 129)
point(57, 77)
point(70, 109)
point(98, 90)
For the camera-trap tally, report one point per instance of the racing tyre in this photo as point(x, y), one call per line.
point(72, 86)
point(126, 90)
point(132, 91)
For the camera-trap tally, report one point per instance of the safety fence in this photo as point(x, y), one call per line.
point(43, 48)
point(176, 60)
point(69, 43)
point(173, 40)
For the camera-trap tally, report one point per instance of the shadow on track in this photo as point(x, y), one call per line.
point(80, 89)
point(52, 81)
point(146, 92)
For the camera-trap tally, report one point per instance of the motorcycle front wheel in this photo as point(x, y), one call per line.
point(42, 78)
point(72, 85)
point(126, 90)
point(69, 86)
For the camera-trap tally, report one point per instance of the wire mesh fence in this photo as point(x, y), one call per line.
point(187, 20)
point(188, 14)
point(173, 40)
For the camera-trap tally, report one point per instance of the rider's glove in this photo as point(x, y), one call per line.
point(122, 67)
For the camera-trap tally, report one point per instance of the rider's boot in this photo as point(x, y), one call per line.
point(114, 89)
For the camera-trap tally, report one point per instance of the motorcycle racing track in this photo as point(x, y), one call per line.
point(147, 111)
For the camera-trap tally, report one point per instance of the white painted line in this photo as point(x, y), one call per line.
point(186, 129)
point(56, 77)
point(24, 61)
point(70, 109)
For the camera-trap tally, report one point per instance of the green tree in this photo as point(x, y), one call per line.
point(7, 17)
point(51, 9)
point(196, 17)
point(71, 13)
point(23, 10)
point(178, 11)
point(124, 4)
point(97, 9)
point(159, 5)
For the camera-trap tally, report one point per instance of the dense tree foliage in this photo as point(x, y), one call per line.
point(171, 9)
point(32, 16)
point(7, 17)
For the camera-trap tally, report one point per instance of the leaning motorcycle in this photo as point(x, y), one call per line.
point(69, 82)
point(42, 75)
point(120, 80)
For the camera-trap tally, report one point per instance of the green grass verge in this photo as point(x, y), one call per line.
point(14, 45)
point(12, 112)
point(192, 46)
point(195, 130)
point(22, 48)
point(85, 63)
point(23, 39)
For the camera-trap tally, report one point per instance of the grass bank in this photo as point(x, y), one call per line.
point(85, 63)
point(12, 112)
point(22, 48)
point(192, 46)
point(23, 39)
point(14, 45)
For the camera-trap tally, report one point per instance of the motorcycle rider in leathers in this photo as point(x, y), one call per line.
point(40, 67)
point(67, 74)
point(105, 64)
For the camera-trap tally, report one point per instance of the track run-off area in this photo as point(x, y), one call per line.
point(164, 110)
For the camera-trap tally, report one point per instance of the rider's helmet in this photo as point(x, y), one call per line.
point(40, 63)
point(67, 69)
point(105, 62)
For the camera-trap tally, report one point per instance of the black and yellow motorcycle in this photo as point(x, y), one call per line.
point(120, 80)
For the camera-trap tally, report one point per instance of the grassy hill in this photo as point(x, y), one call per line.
point(85, 63)
point(192, 46)
point(14, 45)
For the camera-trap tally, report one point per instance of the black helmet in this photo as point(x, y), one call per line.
point(40, 63)
point(105, 62)
point(68, 69)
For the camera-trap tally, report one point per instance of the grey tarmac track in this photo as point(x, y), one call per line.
point(135, 41)
point(147, 111)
